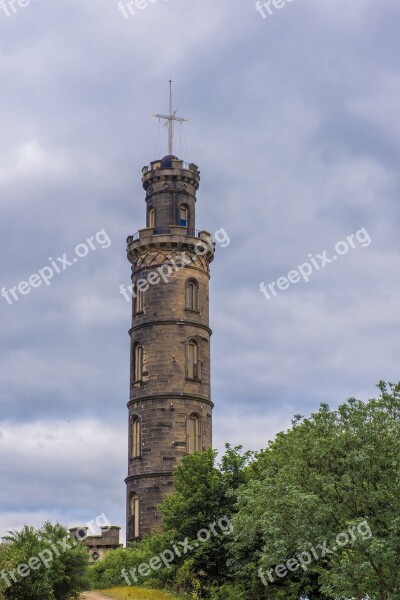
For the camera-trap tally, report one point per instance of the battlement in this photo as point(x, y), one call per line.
point(170, 169)
point(170, 162)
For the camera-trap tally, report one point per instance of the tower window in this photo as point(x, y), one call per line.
point(152, 217)
point(135, 515)
point(193, 434)
point(192, 294)
point(135, 437)
point(138, 300)
point(183, 216)
point(193, 363)
point(137, 362)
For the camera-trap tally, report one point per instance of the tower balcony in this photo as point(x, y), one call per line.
point(144, 234)
point(171, 236)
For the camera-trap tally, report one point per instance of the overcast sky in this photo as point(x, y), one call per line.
point(294, 123)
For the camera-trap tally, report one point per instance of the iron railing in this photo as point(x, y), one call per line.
point(166, 231)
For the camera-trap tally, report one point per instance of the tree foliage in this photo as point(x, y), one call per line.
point(325, 494)
point(334, 473)
point(42, 564)
point(205, 495)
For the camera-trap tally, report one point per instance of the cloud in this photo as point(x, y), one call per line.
point(293, 122)
point(71, 471)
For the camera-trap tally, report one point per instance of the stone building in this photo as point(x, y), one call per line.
point(170, 408)
point(98, 545)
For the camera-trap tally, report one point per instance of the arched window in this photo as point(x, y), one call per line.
point(137, 362)
point(193, 434)
point(135, 515)
point(183, 215)
point(192, 294)
point(138, 300)
point(193, 363)
point(152, 217)
point(135, 437)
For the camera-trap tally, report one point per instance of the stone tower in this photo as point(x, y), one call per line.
point(170, 404)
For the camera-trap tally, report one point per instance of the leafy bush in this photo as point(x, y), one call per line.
point(42, 564)
point(110, 571)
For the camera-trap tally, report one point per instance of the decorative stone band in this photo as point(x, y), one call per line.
point(153, 255)
point(171, 322)
point(171, 396)
point(145, 475)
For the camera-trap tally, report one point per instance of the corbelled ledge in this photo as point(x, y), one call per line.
point(171, 234)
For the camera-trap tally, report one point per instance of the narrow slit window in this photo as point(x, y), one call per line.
point(136, 437)
point(138, 300)
point(183, 216)
point(138, 362)
point(192, 360)
point(152, 217)
point(135, 515)
point(192, 295)
point(193, 434)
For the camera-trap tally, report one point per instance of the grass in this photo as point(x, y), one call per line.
point(137, 593)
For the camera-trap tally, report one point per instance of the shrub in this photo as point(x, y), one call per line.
point(42, 564)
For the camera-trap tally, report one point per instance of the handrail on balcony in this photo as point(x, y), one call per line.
point(156, 164)
point(167, 230)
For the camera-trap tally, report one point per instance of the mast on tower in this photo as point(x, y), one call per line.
point(170, 121)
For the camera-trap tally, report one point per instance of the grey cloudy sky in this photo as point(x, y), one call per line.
point(294, 123)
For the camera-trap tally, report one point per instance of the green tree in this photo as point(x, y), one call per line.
point(334, 474)
point(205, 493)
point(42, 564)
point(204, 490)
